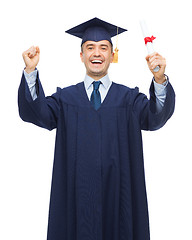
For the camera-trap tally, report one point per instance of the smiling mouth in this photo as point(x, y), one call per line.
point(97, 61)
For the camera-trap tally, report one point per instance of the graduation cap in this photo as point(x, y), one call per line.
point(96, 30)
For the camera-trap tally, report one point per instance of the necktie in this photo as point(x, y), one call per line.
point(95, 96)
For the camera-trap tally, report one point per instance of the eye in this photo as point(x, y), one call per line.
point(104, 48)
point(90, 47)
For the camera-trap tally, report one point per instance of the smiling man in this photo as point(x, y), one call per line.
point(98, 185)
point(97, 57)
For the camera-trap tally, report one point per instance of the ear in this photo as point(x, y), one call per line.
point(112, 57)
point(81, 56)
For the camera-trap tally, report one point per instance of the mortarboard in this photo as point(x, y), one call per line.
point(95, 30)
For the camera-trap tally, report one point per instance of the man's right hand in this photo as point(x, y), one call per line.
point(31, 58)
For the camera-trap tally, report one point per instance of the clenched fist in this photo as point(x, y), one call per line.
point(31, 58)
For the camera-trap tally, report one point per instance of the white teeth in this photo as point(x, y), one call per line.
point(96, 61)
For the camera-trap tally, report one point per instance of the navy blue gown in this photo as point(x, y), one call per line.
point(98, 184)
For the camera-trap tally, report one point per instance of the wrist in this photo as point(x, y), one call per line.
point(29, 70)
point(161, 80)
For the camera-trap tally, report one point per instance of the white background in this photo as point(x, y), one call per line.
point(26, 151)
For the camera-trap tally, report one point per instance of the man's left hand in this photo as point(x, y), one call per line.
point(154, 60)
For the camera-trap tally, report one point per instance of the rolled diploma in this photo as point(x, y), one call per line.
point(149, 45)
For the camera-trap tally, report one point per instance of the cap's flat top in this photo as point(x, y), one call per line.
point(95, 30)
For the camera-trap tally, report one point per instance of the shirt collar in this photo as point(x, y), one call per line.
point(105, 81)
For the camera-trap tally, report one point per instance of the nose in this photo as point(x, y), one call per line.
point(96, 52)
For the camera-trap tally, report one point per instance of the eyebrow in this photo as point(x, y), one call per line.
point(102, 45)
point(90, 44)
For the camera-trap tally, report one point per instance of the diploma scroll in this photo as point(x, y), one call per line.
point(148, 40)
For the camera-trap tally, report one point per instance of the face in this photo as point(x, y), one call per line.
point(97, 57)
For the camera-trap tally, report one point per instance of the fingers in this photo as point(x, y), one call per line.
point(153, 56)
point(155, 62)
point(31, 58)
point(37, 50)
point(155, 59)
point(31, 52)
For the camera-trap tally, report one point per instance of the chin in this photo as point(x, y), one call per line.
point(97, 73)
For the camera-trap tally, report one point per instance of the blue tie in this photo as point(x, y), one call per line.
point(95, 96)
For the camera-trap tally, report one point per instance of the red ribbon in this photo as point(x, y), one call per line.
point(149, 39)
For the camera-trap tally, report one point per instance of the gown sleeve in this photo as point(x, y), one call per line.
point(43, 111)
point(146, 110)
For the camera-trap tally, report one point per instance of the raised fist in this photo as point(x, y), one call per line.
point(31, 58)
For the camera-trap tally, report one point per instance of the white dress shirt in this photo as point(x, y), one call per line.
point(103, 88)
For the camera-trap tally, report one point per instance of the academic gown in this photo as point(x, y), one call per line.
point(98, 184)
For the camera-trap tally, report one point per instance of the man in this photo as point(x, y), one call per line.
point(98, 184)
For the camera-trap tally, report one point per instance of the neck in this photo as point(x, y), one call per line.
point(96, 77)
